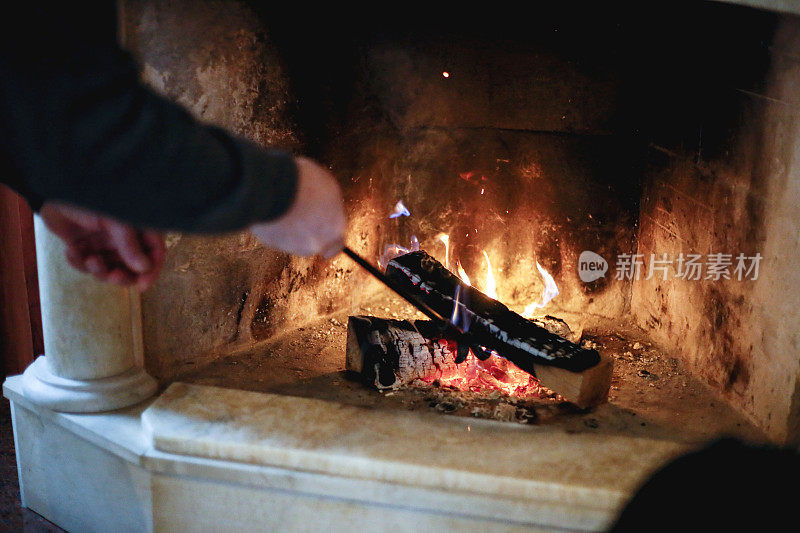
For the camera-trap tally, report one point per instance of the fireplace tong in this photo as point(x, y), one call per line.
point(478, 322)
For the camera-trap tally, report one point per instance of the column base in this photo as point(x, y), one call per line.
point(85, 396)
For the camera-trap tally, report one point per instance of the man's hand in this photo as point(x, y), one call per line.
point(106, 248)
point(315, 223)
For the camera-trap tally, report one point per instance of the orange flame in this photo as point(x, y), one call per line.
point(445, 238)
point(462, 274)
point(549, 292)
point(491, 285)
point(495, 373)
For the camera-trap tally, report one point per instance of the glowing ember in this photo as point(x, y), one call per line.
point(495, 373)
point(400, 210)
point(490, 288)
point(472, 375)
point(462, 274)
point(445, 238)
point(549, 292)
point(445, 74)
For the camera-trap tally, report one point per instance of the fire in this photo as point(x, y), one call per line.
point(445, 238)
point(390, 251)
point(495, 373)
point(400, 210)
point(491, 284)
point(460, 319)
point(462, 274)
point(549, 292)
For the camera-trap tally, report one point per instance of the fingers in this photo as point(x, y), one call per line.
point(102, 266)
point(97, 266)
point(107, 265)
point(76, 259)
point(107, 249)
point(121, 277)
point(154, 242)
point(125, 241)
point(157, 250)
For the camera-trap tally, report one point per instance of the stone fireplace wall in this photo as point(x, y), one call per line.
point(726, 179)
point(617, 132)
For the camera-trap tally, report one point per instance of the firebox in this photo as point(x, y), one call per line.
point(626, 179)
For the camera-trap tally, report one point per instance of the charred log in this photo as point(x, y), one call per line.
point(490, 323)
point(395, 352)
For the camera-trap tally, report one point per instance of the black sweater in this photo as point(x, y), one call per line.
point(77, 125)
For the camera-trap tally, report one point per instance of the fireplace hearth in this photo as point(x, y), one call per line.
point(628, 180)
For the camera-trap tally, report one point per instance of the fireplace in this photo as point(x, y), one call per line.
point(625, 178)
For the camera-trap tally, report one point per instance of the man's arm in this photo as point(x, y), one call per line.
point(79, 127)
point(78, 131)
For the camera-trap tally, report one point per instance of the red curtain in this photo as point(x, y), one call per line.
point(20, 314)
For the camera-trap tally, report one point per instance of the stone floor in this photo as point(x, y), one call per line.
point(13, 517)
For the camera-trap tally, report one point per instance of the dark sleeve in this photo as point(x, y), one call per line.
point(77, 125)
point(727, 486)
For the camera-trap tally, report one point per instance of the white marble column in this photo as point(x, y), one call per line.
point(91, 335)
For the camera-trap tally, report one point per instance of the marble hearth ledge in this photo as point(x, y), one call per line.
point(203, 457)
point(582, 471)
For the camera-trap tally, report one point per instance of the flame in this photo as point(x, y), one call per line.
point(491, 285)
point(549, 292)
point(400, 210)
point(461, 316)
point(454, 316)
point(445, 238)
point(390, 251)
point(495, 373)
point(462, 274)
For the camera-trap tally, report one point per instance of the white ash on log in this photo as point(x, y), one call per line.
point(392, 353)
point(389, 353)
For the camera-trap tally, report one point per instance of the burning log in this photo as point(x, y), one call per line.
point(490, 323)
point(492, 327)
point(388, 353)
